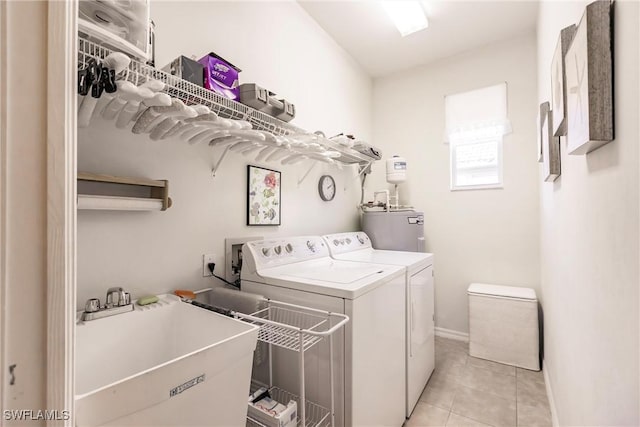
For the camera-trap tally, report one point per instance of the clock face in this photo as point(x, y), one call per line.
point(327, 188)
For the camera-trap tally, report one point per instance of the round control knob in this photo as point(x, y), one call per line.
point(348, 240)
point(266, 251)
point(361, 240)
point(288, 248)
point(311, 246)
point(278, 250)
point(92, 305)
point(335, 242)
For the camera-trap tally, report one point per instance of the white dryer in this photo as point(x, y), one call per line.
point(369, 356)
point(420, 326)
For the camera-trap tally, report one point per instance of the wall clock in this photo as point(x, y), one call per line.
point(327, 188)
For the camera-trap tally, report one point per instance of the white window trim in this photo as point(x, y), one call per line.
point(452, 169)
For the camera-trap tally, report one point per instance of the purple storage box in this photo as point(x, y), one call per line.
point(221, 76)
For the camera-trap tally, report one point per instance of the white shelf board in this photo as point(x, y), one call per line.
point(114, 203)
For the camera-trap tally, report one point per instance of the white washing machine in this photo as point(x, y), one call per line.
point(420, 326)
point(369, 355)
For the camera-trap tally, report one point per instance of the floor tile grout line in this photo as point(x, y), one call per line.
point(447, 420)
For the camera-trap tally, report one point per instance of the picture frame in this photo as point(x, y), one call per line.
point(542, 112)
point(550, 149)
point(559, 81)
point(589, 73)
point(264, 196)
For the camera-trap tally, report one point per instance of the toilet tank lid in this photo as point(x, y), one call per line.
point(502, 291)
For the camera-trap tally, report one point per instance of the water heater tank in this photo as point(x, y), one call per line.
point(396, 170)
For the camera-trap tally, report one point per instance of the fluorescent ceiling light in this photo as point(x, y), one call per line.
point(408, 16)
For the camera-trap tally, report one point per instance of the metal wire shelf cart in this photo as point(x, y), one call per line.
point(297, 328)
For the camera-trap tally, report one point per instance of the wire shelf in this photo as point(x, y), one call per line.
point(192, 94)
point(316, 415)
point(294, 328)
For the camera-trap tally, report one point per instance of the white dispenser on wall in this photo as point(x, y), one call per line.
point(396, 170)
point(396, 174)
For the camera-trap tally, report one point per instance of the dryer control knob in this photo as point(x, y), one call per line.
point(278, 249)
point(266, 251)
point(288, 248)
point(361, 240)
point(348, 241)
point(311, 246)
point(335, 242)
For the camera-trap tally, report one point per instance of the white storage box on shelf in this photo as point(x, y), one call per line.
point(123, 25)
point(503, 325)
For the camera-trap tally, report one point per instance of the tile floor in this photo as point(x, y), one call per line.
point(466, 391)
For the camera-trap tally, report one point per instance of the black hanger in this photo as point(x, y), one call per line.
point(84, 81)
point(96, 79)
point(108, 80)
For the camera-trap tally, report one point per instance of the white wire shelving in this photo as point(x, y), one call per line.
point(316, 415)
point(282, 327)
point(192, 94)
point(297, 328)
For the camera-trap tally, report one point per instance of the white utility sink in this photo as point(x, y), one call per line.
point(165, 364)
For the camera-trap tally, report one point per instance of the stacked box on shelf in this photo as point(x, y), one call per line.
point(274, 414)
point(221, 76)
point(264, 100)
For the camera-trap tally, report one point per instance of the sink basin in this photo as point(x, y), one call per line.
point(165, 364)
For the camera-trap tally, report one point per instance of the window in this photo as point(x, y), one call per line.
point(476, 123)
point(476, 164)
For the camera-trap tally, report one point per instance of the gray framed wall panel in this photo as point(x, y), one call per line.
point(589, 73)
point(550, 149)
point(559, 81)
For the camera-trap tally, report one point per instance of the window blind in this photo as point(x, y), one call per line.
point(477, 114)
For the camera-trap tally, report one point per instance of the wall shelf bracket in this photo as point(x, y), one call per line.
point(219, 162)
point(364, 168)
point(301, 180)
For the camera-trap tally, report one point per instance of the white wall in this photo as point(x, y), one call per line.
point(486, 236)
point(278, 46)
point(589, 245)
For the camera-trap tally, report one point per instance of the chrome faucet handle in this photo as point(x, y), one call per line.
point(121, 297)
point(92, 305)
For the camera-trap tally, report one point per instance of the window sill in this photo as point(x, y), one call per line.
point(478, 187)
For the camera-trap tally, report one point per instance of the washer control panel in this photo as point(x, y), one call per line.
point(347, 242)
point(274, 252)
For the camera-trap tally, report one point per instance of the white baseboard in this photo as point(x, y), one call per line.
point(451, 334)
point(552, 403)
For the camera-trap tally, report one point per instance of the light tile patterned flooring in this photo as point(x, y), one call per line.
point(466, 391)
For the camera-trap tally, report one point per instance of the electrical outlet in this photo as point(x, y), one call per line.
point(206, 259)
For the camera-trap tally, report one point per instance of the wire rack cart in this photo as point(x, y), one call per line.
point(297, 328)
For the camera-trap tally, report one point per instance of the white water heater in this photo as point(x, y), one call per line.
point(396, 170)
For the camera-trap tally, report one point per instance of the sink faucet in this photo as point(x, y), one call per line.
point(120, 293)
point(93, 309)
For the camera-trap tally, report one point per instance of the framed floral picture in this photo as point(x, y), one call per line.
point(263, 196)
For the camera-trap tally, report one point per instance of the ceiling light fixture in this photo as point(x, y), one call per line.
point(408, 16)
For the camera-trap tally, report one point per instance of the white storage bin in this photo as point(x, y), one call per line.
point(503, 325)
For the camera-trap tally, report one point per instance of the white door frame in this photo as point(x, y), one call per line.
point(61, 206)
point(3, 194)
